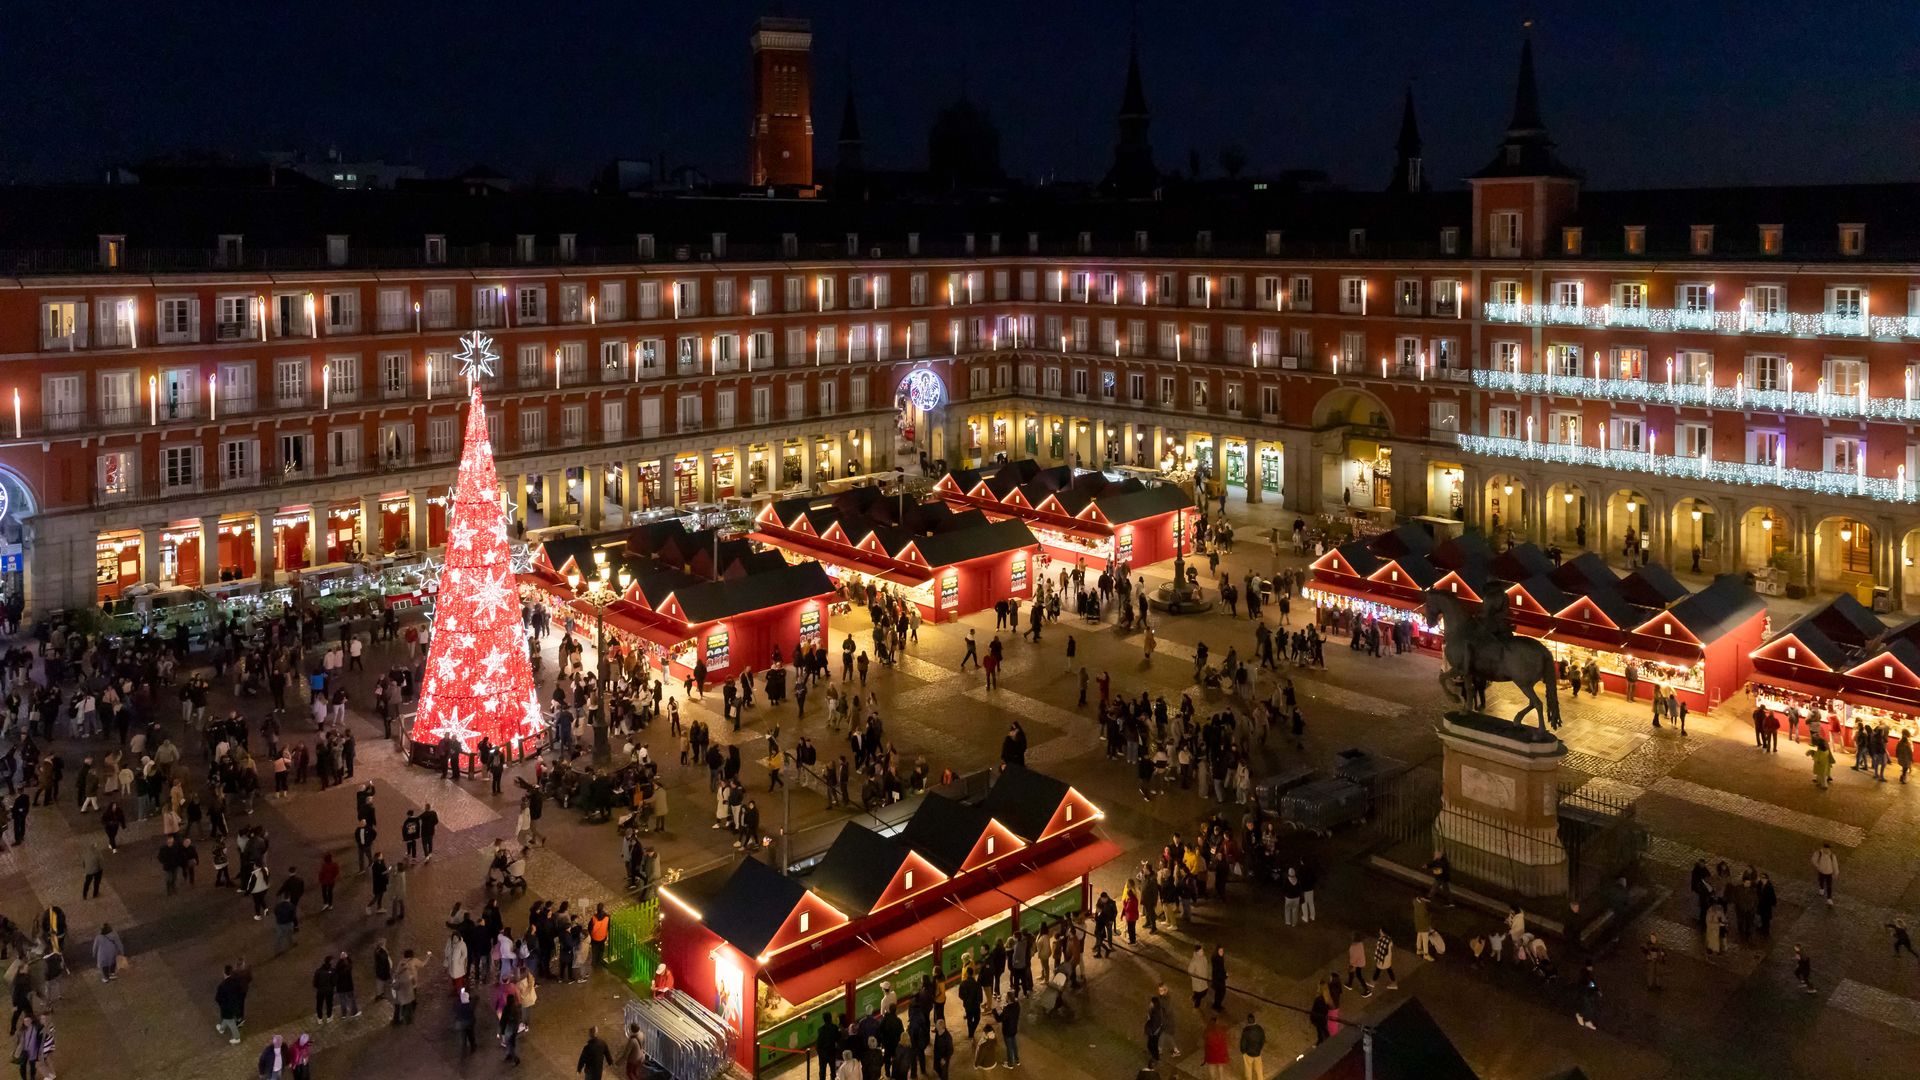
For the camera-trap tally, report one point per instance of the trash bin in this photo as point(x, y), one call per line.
point(1882, 600)
point(1863, 592)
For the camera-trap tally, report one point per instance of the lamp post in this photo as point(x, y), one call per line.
point(599, 594)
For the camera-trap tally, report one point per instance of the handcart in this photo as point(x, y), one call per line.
point(1323, 805)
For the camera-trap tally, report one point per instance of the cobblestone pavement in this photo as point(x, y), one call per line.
point(1710, 794)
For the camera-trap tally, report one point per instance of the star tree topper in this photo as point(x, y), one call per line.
point(476, 356)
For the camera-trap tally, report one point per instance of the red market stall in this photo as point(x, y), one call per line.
point(772, 955)
point(948, 563)
point(674, 614)
point(1696, 643)
point(1084, 515)
point(1844, 667)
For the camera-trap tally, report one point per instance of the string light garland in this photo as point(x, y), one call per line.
point(1738, 396)
point(1741, 321)
point(1877, 488)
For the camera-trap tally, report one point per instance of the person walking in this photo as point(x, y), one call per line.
point(1589, 989)
point(1199, 973)
point(1655, 955)
point(1357, 963)
point(1901, 939)
point(1822, 757)
point(1383, 960)
point(1803, 969)
point(1253, 1042)
point(594, 1057)
point(942, 1050)
point(108, 951)
point(91, 871)
point(1009, 1017)
point(1826, 864)
point(1214, 1048)
point(1217, 978)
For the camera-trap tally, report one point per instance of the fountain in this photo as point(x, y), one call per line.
point(1181, 596)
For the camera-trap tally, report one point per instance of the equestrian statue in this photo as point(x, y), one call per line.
point(1483, 648)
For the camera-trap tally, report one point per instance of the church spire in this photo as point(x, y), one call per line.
point(1409, 172)
point(850, 162)
point(1526, 150)
point(1526, 96)
point(1133, 171)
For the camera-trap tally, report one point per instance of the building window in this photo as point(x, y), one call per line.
point(1636, 240)
point(1353, 295)
point(1764, 371)
point(1693, 367)
point(1356, 241)
point(290, 382)
point(113, 251)
point(1503, 234)
point(1503, 422)
point(1450, 240)
point(1630, 364)
point(1406, 296)
point(1845, 377)
point(436, 249)
point(1845, 301)
point(643, 246)
point(1300, 293)
point(523, 247)
point(1630, 295)
point(1702, 240)
point(343, 312)
point(179, 467)
point(1506, 292)
point(1695, 298)
point(1567, 294)
point(1764, 299)
point(1853, 239)
point(343, 378)
point(336, 249)
point(1772, 238)
point(1570, 240)
point(1629, 433)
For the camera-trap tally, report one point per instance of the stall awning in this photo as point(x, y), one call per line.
point(810, 974)
point(628, 622)
point(1048, 876)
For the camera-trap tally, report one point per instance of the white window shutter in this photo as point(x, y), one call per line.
point(193, 319)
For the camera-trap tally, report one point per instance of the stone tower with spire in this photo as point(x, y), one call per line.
point(1526, 194)
point(1133, 172)
point(1409, 171)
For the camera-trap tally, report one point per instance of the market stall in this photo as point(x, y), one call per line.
point(1077, 516)
point(947, 563)
point(689, 597)
point(772, 955)
point(1845, 668)
point(1694, 642)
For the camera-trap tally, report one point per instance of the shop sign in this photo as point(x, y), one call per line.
point(718, 651)
point(949, 590)
point(1019, 571)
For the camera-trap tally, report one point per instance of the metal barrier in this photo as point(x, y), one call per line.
point(684, 1038)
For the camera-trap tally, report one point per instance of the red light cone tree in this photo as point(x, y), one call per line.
point(478, 682)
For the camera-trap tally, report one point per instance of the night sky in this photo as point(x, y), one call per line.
point(1636, 94)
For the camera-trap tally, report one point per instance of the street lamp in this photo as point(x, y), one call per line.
point(599, 594)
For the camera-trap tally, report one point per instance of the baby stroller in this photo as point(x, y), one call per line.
point(1052, 998)
point(508, 876)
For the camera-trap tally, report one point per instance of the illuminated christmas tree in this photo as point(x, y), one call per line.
point(478, 681)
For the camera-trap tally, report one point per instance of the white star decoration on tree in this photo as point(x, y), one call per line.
point(476, 356)
point(491, 593)
point(459, 727)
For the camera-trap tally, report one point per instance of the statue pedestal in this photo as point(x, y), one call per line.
point(1499, 815)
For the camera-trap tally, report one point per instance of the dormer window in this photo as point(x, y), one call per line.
point(1140, 241)
point(113, 251)
point(1636, 240)
point(229, 249)
point(1033, 243)
point(1702, 242)
point(1356, 241)
point(1772, 239)
point(1570, 240)
point(570, 246)
point(523, 247)
point(1203, 240)
point(336, 249)
point(1853, 239)
point(1450, 240)
point(1086, 243)
point(907, 881)
point(436, 249)
point(806, 921)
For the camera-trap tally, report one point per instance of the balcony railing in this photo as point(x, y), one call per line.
point(1815, 402)
point(1855, 485)
point(1739, 321)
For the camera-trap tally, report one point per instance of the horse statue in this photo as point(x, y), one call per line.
point(1482, 649)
